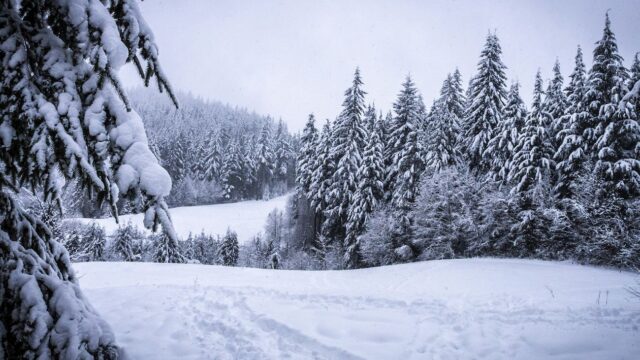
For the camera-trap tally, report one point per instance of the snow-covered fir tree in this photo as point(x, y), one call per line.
point(533, 155)
point(212, 161)
point(370, 190)
point(95, 242)
point(283, 152)
point(572, 152)
point(306, 157)
point(606, 82)
point(265, 158)
point(501, 147)
point(69, 117)
point(555, 103)
point(229, 248)
point(124, 240)
point(443, 129)
point(323, 168)
point(231, 172)
point(166, 250)
point(618, 146)
point(404, 153)
point(348, 139)
point(485, 103)
point(453, 95)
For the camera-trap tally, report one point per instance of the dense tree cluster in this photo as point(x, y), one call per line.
point(215, 152)
point(479, 173)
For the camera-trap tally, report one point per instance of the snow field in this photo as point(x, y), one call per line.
point(450, 309)
point(246, 218)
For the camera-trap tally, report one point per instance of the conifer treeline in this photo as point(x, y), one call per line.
point(479, 173)
point(215, 153)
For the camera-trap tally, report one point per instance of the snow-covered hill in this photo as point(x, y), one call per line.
point(247, 218)
point(453, 309)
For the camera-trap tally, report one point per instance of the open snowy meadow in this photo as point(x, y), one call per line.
point(449, 309)
point(246, 218)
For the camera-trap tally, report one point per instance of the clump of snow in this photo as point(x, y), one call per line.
point(448, 309)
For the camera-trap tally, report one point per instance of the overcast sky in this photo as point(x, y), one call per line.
point(290, 58)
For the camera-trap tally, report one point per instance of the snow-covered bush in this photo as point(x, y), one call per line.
point(95, 242)
point(445, 217)
point(378, 244)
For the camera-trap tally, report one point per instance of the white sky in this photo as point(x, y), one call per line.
point(290, 58)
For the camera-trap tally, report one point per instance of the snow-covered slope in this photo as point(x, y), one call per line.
point(247, 218)
point(453, 309)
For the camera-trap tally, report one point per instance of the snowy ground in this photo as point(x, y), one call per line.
point(247, 218)
point(458, 309)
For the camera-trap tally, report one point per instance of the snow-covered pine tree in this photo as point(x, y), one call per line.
point(167, 251)
point(95, 242)
point(248, 165)
point(229, 249)
point(124, 242)
point(575, 124)
point(178, 161)
point(502, 145)
point(453, 94)
point(231, 172)
point(306, 157)
point(370, 188)
point(404, 153)
point(530, 172)
point(64, 114)
point(323, 168)
point(556, 104)
point(265, 160)
point(533, 155)
point(283, 152)
point(618, 146)
point(606, 77)
point(213, 157)
point(348, 139)
point(443, 130)
point(485, 103)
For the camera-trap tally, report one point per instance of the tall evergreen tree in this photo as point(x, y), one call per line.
point(556, 104)
point(306, 157)
point(502, 146)
point(370, 189)
point(282, 151)
point(443, 132)
point(265, 158)
point(404, 154)
point(606, 82)
point(575, 124)
point(348, 138)
point(533, 156)
point(213, 157)
point(323, 168)
point(486, 100)
point(231, 178)
point(453, 95)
